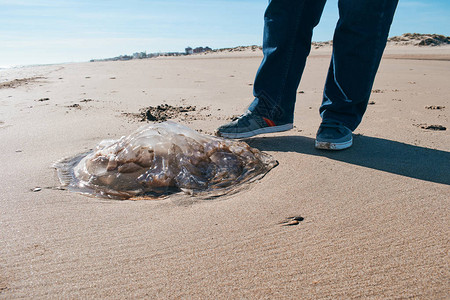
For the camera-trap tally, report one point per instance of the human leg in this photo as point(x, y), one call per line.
point(359, 41)
point(358, 44)
point(288, 27)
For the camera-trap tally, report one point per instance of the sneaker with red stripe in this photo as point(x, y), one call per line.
point(251, 124)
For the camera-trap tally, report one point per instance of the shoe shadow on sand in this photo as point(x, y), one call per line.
point(375, 153)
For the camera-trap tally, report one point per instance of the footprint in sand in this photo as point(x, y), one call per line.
point(431, 127)
point(291, 221)
point(435, 107)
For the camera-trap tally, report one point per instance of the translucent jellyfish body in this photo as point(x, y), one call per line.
point(161, 159)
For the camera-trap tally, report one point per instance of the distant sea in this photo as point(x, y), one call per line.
point(30, 65)
point(10, 67)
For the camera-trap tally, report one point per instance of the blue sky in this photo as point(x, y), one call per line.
point(55, 31)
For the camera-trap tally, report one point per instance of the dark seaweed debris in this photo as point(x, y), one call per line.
point(163, 112)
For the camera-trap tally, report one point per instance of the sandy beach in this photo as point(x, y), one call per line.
point(376, 216)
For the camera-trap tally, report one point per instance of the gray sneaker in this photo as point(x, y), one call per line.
point(333, 135)
point(250, 124)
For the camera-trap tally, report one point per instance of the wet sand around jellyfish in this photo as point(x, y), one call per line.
point(162, 159)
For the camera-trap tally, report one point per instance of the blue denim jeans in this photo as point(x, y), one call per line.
point(358, 44)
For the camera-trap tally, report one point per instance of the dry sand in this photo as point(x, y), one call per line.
point(376, 216)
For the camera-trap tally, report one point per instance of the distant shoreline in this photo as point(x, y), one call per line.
point(406, 39)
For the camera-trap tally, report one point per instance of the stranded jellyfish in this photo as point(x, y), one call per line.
point(161, 159)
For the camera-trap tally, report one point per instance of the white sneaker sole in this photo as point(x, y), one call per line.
point(248, 134)
point(334, 146)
